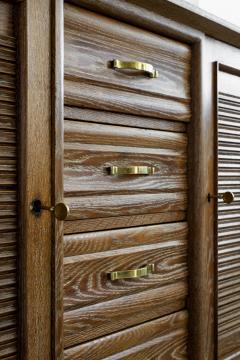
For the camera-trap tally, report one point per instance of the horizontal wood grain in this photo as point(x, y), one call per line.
point(8, 344)
point(6, 20)
point(88, 243)
point(228, 217)
point(89, 207)
point(107, 117)
point(110, 316)
point(86, 278)
point(87, 133)
point(228, 343)
point(8, 185)
point(92, 41)
point(80, 226)
point(87, 160)
point(164, 338)
point(93, 97)
point(90, 150)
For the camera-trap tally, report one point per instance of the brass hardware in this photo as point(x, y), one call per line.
point(60, 210)
point(130, 274)
point(135, 65)
point(227, 197)
point(132, 170)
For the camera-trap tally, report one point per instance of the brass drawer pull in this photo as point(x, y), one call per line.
point(135, 65)
point(132, 170)
point(130, 274)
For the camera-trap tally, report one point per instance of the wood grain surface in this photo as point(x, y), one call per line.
point(89, 207)
point(96, 320)
point(93, 41)
point(117, 118)
point(164, 338)
point(34, 31)
point(93, 97)
point(90, 150)
point(86, 278)
point(8, 186)
point(107, 117)
point(80, 226)
point(88, 243)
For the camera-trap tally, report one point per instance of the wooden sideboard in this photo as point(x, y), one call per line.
point(119, 181)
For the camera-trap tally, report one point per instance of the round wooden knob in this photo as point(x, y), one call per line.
point(61, 211)
point(228, 197)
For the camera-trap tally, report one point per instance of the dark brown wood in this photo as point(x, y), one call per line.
point(93, 97)
point(92, 264)
point(99, 319)
point(117, 239)
point(8, 186)
point(57, 176)
point(80, 226)
point(107, 117)
point(167, 16)
point(165, 338)
point(35, 164)
point(89, 207)
point(107, 39)
point(200, 212)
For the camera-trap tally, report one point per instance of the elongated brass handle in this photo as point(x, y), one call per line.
point(130, 274)
point(132, 170)
point(135, 65)
point(227, 197)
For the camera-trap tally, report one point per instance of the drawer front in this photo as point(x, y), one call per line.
point(92, 42)
point(95, 305)
point(162, 339)
point(92, 149)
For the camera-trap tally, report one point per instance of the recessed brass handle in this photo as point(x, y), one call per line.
point(227, 197)
point(135, 65)
point(132, 170)
point(130, 274)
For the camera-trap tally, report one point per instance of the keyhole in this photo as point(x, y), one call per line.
point(36, 207)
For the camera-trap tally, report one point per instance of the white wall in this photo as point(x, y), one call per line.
point(226, 9)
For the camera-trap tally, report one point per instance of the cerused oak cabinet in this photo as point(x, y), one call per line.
point(119, 181)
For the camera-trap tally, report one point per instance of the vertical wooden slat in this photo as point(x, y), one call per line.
point(35, 164)
point(57, 174)
point(200, 212)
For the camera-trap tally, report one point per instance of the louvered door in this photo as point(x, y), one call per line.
point(8, 184)
point(228, 228)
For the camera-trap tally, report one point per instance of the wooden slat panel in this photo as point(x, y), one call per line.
point(228, 219)
point(89, 207)
point(84, 132)
point(93, 97)
point(90, 150)
point(8, 185)
point(228, 342)
point(6, 20)
point(105, 117)
point(86, 276)
point(164, 338)
point(97, 320)
point(80, 226)
point(92, 41)
point(80, 244)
